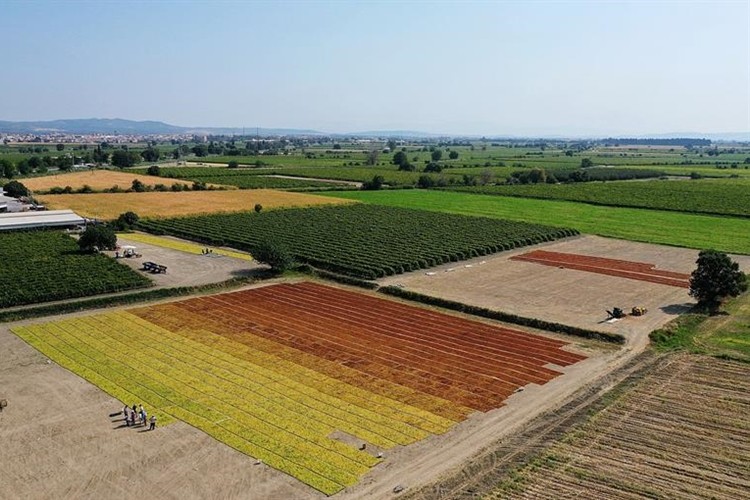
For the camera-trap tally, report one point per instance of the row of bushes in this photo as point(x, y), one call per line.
point(117, 300)
point(502, 316)
point(339, 278)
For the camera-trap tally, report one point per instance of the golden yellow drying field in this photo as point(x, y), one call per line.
point(171, 204)
point(97, 179)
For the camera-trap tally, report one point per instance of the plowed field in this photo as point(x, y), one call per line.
point(612, 267)
point(275, 371)
point(682, 432)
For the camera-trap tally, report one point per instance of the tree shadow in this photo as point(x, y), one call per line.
point(259, 273)
point(677, 309)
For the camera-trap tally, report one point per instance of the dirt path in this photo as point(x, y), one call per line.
point(482, 473)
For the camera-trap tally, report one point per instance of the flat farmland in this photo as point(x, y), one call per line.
point(96, 179)
point(728, 234)
point(364, 241)
point(567, 295)
point(167, 204)
point(656, 441)
point(298, 375)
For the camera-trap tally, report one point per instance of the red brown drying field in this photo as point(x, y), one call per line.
point(612, 267)
point(444, 364)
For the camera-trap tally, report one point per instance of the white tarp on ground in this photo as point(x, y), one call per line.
point(49, 218)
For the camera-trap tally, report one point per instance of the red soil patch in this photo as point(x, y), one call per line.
point(469, 363)
point(612, 267)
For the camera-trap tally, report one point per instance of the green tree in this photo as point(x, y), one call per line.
point(138, 186)
point(425, 182)
point(35, 162)
point(154, 170)
point(7, 168)
point(716, 278)
point(274, 255)
point(200, 150)
point(23, 167)
point(150, 154)
point(98, 237)
point(402, 161)
point(15, 189)
point(60, 147)
point(586, 163)
point(123, 158)
point(64, 162)
point(233, 164)
point(258, 208)
point(433, 167)
point(392, 145)
point(453, 155)
point(126, 221)
point(372, 157)
point(437, 155)
point(375, 184)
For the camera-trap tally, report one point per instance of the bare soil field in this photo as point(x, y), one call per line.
point(96, 179)
point(87, 454)
point(656, 440)
point(58, 441)
point(184, 268)
point(568, 296)
point(168, 204)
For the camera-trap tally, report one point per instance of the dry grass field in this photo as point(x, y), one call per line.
point(168, 204)
point(96, 179)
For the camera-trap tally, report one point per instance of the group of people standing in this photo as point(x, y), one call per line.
point(138, 414)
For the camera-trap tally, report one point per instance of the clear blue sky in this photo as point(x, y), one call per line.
point(525, 67)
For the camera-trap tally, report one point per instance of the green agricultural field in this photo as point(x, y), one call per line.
point(243, 177)
point(711, 196)
point(42, 266)
point(364, 241)
point(729, 234)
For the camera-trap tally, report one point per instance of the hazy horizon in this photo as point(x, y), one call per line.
point(471, 68)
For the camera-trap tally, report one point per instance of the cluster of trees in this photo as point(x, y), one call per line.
point(401, 159)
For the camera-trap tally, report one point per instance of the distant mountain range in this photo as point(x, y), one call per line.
point(131, 127)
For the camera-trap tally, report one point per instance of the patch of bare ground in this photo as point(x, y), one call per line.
point(59, 441)
point(567, 296)
point(683, 431)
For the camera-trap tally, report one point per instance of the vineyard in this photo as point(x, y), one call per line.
point(274, 371)
point(361, 240)
point(656, 441)
point(43, 266)
point(247, 177)
point(243, 178)
point(720, 197)
point(612, 267)
point(728, 234)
